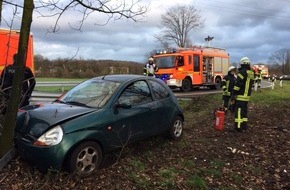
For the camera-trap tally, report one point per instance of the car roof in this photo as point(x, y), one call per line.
point(119, 77)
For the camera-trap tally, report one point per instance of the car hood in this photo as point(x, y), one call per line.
point(34, 120)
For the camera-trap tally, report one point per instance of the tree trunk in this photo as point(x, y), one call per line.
point(1, 3)
point(7, 132)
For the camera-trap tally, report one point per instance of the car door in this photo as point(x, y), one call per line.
point(134, 113)
point(165, 106)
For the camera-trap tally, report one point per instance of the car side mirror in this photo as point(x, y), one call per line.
point(179, 64)
point(124, 106)
point(118, 105)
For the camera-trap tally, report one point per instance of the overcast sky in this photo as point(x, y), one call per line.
point(244, 27)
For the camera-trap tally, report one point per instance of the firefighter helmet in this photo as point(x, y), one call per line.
point(150, 59)
point(245, 61)
point(232, 68)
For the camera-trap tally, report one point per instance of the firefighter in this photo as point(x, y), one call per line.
point(255, 70)
point(28, 83)
point(241, 94)
point(259, 77)
point(227, 85)
point(150, 68)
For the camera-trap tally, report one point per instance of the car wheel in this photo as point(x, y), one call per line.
point(176, 128)
point(85, 159)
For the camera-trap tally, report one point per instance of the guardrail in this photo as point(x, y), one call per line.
point(48, 97)
point(57, 84)
point(44, 96)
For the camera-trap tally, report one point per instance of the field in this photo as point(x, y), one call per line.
point(203, 159)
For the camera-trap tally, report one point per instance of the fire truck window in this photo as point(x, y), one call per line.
point(158, 90)
point(180, 61)
point(135, 94)
point(165, 62)
point(189, 60)
point(196, 63)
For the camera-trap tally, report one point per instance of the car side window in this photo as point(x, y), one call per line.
point(135, 94)
point(158, 90)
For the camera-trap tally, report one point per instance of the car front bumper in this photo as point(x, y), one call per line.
point(44, 158)
point(174, 83)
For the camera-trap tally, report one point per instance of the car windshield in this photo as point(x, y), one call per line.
point(165, 62)
point(91, 93)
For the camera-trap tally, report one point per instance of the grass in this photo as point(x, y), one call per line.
point(167, 177)
point(196, 182)
point(272, 96)
point(166, 165)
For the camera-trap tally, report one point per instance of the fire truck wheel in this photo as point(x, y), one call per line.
point(186, 85)
point(176, 129)
point(218, 82)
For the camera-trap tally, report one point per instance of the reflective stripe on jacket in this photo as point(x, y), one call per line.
point(227, 84)
point(243, 87)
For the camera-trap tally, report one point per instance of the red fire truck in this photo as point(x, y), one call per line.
point(197, 66)
point(264, 69)
point(9, 45)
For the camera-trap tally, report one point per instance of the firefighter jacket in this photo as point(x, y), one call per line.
point(28, 82)
point(243, 86)
point(150, 69)
point(228, 83)
point(260, 75)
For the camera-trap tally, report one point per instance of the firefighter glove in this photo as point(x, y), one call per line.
point(233, 100)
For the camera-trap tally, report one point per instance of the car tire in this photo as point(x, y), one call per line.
point(85, 159)
point(176, 129)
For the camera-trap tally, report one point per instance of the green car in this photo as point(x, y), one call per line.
point(95, 117)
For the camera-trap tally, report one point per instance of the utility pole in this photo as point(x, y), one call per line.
point(208, 39)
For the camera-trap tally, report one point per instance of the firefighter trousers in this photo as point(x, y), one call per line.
point(241, 112)
point(226, 100)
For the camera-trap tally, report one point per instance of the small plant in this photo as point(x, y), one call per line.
point(196, 182)
point(237, 178)
point(167, 178)
point(137, 165)
point(142, 181)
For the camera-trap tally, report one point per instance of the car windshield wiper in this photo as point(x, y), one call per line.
point(77, 104)
point(59, 101)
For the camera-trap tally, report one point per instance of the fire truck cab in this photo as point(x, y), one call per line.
point(9, 46)
point(186, 68)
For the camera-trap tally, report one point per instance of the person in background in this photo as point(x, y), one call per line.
point(241, 94)
point(259, 78)
point(150, 68)
point(28, 83)
point(227, 85)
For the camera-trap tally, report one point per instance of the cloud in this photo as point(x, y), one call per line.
point(243, 27)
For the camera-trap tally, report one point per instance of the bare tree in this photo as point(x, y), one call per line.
point(281, 57)
point(7, 131)
point(177, 23)
point(111, 9)
point(1, 3)
point(114, 9)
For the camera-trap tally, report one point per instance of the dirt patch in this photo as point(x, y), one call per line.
point(204, 159)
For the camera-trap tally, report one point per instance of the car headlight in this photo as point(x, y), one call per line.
point(50, 138)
